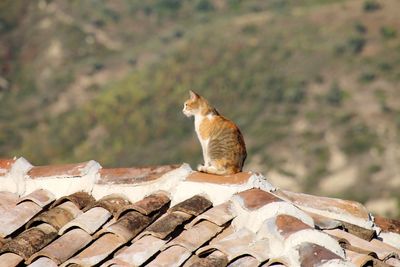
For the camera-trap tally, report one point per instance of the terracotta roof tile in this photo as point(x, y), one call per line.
point(193, 206)
point(90, 221)
point(30, 241)
point(238, 178)
point(255, 198)
point(165, 225)
point(40, 197)
point(172, 256)
point(8, 201)
point(64, 247)
point(77, 169)
point(43, 262)
point(99, 250)
point(57, 216)
point(133, 175)
point(5, 165)
point(236, 220)
point(10, 260)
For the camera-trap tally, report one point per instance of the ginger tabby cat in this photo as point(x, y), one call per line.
point(224, 150)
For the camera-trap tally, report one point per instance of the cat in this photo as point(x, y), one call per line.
point(224, 150)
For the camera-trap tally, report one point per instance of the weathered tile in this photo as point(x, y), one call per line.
point(196, 236)
point(219, 215)
point(215, 259)
point(40, 196)
point(253, 199)
point(133, 175)
point(80, 199)
point(287, 225)
point(388, 225)
point(245, 261)
point(10, 260)
point(43, 262)
point(31, 241)
point(112, 203)
point(77, 169)
point(343, 210)
point(233, 246)
point(138, 252)
point(166, 224)
point(147, 205)
point(7, 201)
point(194, 205)
point(359, 259)
point(64, 247)
point(201, 177)
point(382, 252)
point(99, 250)
point(5, 165)
point(90, 221)
point(325, 223)
point(392, 262)
point(57, 216)
point(15, 218)
point(129, 225)
point(314, 255)
point(173, 256)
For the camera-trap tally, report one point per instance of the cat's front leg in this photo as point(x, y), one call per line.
point(201, 168)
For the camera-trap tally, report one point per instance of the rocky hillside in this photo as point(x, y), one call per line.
point(313, 84)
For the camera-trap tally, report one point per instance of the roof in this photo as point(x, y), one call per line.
point(85, 215)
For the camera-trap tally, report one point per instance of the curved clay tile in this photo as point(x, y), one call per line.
point(113, 203)
point(31, 241)
point(8, 201)
point(219, 215)
point(237, 178)
point(215, 259)
point(147, 205)
point(64, 247)
point(253, 199)
point(172, 256)
point(138, 252)
point(57, 216)
point(194, 205)
point(246, 260)
point(96, 252)
point(43, 262)
point(90, 221)
point(40, 196)
point(10, 260)
point(80, 199)
point(68, 170)
point(196, 236)
point(129, 225)
point(15, 218)
point(5, 165)
point(166, 224)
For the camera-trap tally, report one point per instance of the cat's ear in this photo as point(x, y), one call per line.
point(193, 95)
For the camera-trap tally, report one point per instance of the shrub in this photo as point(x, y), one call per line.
point(356, 44)
point(335, 95)
point(371, 5)
point(388, 32)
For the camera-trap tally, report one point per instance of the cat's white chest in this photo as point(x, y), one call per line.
point(204, 142)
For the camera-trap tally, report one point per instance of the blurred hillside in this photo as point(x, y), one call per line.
point(313, 84)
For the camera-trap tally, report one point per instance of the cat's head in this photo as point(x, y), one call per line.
point(195, 105)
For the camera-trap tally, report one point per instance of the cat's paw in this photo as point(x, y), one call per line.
point(201, 168)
